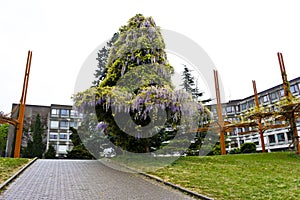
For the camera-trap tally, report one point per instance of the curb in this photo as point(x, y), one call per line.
point(8, 181)
point(189, 192)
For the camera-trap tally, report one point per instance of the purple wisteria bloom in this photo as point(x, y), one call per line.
point(101, 126)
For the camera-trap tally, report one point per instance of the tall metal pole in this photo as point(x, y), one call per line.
point(22, 108)
point(259, 118)
point(219, 112)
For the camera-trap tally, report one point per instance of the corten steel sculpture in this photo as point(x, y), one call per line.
point(259, 118)
point(19, 122)
point(219, 112)
point(291, 108)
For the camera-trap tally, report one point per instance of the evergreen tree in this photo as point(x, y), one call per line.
point(103, 54)
point(136, 100)
point(190, 85)
point(140, 46)
point(188, 80)
point(36, 146)
point(79, 151)
point(50, 154)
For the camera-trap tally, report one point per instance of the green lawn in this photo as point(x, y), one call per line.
point(243, 176)
point(9, 166)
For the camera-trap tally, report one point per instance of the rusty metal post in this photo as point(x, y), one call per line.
point(22, 108)
point(262, 140)
point(219, 112)
point(288, 95)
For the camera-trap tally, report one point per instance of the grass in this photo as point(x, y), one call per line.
point(244, 176)
point(9, 166)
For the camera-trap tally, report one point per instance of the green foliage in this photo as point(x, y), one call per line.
point(138, 85)
point(188, 80)
point(248, 147)
point(3, 138)
point(75, 137)
point(140, 50)
point(78, 151)
point(139, 43)
point(102, 54)
point(235, 151)
point(35, 146)
point(51, 153)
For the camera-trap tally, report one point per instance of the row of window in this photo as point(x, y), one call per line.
point(55, 136)
point(281, 138)
point(272, 97)
point(60, 148)
point(62, 124)
point(63, 113)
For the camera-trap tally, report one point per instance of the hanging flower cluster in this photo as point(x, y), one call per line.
point(140, 43)
point(101, 126)
point(137, 88)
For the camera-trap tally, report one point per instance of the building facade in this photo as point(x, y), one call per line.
point(61, 118)
point(56, 120)
point(275, 139)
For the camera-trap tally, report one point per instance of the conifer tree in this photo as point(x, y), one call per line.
point(36, 146)
point(102, 57)
point(137, 99)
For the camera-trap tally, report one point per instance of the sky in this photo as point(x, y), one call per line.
point(240, 37)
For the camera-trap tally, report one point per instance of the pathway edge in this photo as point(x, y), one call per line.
point(8, 181)
point(182, 189)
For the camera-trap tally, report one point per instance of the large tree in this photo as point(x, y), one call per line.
point(136, 98)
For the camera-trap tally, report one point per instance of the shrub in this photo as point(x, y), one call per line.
point(79, 152)
point(249, 147)
point(235, 151)
point(50, 154)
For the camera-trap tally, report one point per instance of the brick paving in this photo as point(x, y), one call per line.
point(80, 179)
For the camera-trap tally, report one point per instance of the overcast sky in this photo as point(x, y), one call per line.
point(241, 38)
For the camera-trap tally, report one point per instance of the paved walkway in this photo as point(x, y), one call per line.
point(78, 179)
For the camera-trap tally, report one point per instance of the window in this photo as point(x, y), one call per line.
point(265, 99)
point(290, 135)
point(64, 113)
point(273, 96)
point(294, 89)
point(63, 136)
point(251, 104)
point(281, 93)
point(73, 113)
point(54, 112)
point(237, 108)
point(63, 125)
point(54, 124)
point(229, 109)
point(271, 138)
point(73, 124)
point(62, 148)
point(53, 136)
point(280, 137)
point(247, 129)
point(244, 106)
